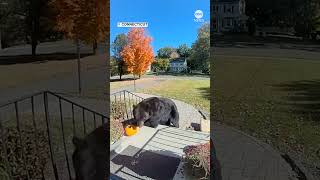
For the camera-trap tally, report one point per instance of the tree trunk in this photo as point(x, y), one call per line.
point(79, 67)
point(120, 69)
point(134, 82)
point(35, 20)
point(94, 47)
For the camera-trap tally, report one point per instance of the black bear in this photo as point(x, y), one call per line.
point(90, 158)
point(154, 111)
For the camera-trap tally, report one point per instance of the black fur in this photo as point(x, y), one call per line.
point(90, 158)
point(154, 111)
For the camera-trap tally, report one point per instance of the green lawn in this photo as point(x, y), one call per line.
point(26, 73)
point(195, 92)
point(274, 99)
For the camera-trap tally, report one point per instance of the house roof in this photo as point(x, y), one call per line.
point(178, 60)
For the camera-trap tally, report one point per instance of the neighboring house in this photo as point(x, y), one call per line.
point(177, 65)
point(229, 15)
point(149, 68)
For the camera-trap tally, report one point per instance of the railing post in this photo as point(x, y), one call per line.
point(5, 149)
point(73, 120)
point(35, 128)
point(20, 138)
point(130, 106)
point(84, 122)
point(125, 104)
point(94, 120)
point(63, 138)
point(47, 118)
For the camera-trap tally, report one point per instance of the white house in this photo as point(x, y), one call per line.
point(149, 68)
point(178, 65)
point(229, 15)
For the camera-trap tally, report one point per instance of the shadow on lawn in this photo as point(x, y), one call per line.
point(123, 79)
point(20, 59)
point(205, 92)
point(304, 97)
point(182, 74)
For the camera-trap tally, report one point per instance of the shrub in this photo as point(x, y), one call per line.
point(36, 157)
point(118, 110)
point(116, 130)
point(199, 157)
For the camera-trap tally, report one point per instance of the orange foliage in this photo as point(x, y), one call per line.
point(87, 20)
point(138, 53)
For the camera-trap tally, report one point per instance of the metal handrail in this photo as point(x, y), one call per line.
point(45, 94)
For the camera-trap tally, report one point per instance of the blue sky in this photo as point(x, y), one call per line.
point(170, 22)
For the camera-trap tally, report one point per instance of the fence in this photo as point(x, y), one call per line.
point(36, 135)
point(122, 103)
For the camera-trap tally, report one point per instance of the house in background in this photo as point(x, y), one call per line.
point(178, 65)
point(229, 15)
point(149, 69)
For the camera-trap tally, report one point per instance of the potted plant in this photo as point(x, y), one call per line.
point(116, 127)
point(199, 164)
point(116, 131)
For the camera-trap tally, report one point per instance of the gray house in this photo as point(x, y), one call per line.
point(177, 65)
point(229, 15)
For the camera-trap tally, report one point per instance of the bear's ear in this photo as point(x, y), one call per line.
point(77, 142)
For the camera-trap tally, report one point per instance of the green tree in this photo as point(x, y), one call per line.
point(184, 50)
point(113, 66)
point(12, 23)
point(165, 52)
point(161, 64)
point(118, 44)
point(199, 58)
point(27, 21)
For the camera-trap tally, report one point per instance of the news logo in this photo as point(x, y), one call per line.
point(198, 14)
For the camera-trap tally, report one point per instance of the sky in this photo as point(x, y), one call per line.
point(170, 22)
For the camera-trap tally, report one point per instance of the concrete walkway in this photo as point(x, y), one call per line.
point(163, 145)
point(244, 157)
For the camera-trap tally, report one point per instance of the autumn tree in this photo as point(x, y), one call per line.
point(138, 53)
point(83, 20)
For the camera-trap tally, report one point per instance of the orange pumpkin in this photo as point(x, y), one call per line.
point(131, 130)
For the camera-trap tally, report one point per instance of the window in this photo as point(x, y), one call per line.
point(217, 8)
point(232, 8)
point(224, 8)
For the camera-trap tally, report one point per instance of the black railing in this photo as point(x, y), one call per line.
point(122, 103)
point(46, 118)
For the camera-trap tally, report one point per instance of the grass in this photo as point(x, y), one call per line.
point(119, 84)
point(127, 82)
point(194, 92)
point(22, 74)
point(274, 99)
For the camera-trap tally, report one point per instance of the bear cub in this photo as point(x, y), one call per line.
point(90, 158)
point(156, 110)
